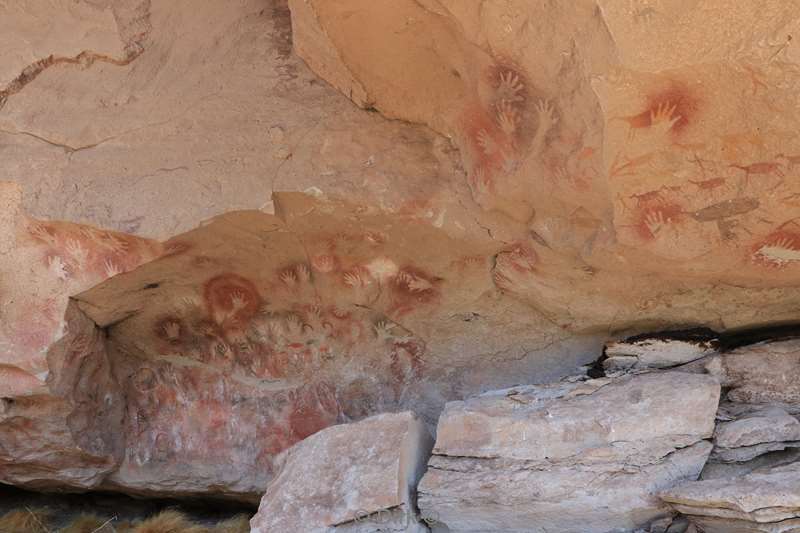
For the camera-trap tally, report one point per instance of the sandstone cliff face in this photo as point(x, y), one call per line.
point(560, 174)
point(629, 141)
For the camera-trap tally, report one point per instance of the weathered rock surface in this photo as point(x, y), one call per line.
point(639, 166)
point(660, 350)
point(762, 373)
point(579, 457)
point(591, 173)
point(766, 500)
point(753, 433)
point(68, 434)
point(358, 477)
point(249, 334)
point(164, 130)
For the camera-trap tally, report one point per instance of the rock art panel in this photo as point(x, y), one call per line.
point(256, 331)
point(62, 259)
point(614, 166)
point(68, 433)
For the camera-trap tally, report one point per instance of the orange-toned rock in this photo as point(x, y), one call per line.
point(647, 158)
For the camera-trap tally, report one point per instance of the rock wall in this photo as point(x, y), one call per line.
point(517, 184)
point(629, 142)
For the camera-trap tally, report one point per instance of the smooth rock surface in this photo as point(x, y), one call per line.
point(578, 457)
point(358, 477)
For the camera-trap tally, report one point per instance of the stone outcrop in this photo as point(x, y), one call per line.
point(660, 350)
point(350, 478)
point(247, 335)
point(764, 501)
point(68, 434)
point(524, 180)
point(754, 431)
point(758, 418)
point(762, 373)
point(578, 457)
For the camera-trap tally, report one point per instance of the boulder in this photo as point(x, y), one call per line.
point(767, 372)
point(358, 477)
point(570, 457)
point(660, 350)
point(763, 430)
point(766, 500)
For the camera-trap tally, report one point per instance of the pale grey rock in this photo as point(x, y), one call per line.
point(657, 352)
point(756, 433)
point(719, 470)
point(765, 500)
point(761, 373)
point(569, 457)
point(353, 478)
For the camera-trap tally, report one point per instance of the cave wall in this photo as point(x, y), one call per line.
point(271, 217)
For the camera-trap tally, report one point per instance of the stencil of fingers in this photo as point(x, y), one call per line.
point(383, 330)
point(487, 143)
point(58, 268)
point(664, 116)
point(172, 330)
point(561, 174)
point(654, 220)
point(510, 87)
point(289, 278)
point(238, 301)
point(507, 118)
point(41, 233)
point(111, 268)
point(547, 116)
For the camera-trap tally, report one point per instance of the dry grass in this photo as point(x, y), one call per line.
point(237, 524)
point(168, 522)
point(25, 521)
point(89, 523)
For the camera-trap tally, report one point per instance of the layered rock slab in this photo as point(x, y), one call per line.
point(766, 500)
point(660, 350)
point(763, 373)
point(756, 431)
point(358, 477)
point(578, 457)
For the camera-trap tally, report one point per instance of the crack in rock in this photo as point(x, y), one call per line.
point(85, 59)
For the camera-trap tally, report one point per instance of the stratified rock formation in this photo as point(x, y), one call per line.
point(758, 423)
point(518, 185)
point(763, 373)
point(574, 457)
point(754, 431)
point(765, 501)
point(352, 477)
point(661, 350)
